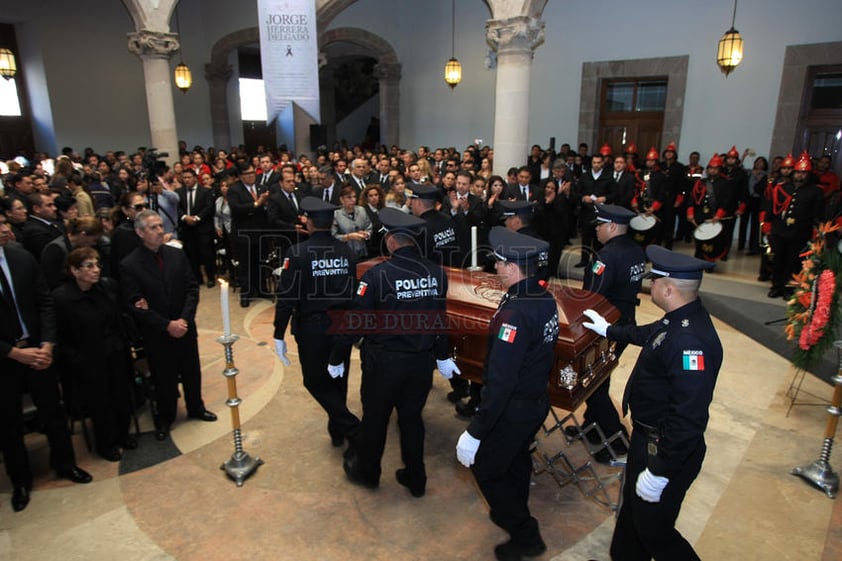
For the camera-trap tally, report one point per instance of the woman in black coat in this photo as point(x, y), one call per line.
point(92, 352)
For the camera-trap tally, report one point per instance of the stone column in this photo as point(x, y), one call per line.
point(155, 49)
point(515, 40)
point(217, 76)
point(389, 76)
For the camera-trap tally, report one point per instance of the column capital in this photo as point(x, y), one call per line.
point(387, 71)
point(156, 44)
point(221, 72)
point(517, 34)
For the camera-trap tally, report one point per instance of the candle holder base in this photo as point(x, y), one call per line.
point(240, 467)
point(476, 269)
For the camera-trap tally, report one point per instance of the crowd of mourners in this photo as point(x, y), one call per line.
point(235, 213)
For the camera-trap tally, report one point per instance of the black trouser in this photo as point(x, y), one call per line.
point(106, 396)
point(42, 385)
point(503, 468)
point(393, 380)
point(750, 225)
point(314, 346)
point(249, 254)
point(168, 359)
point(787, 260)
point(646, 530)
point(601, 409)
point(199, 248)
point(590, 245)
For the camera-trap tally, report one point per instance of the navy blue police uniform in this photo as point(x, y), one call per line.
point(406, 332)
point(669, 392)
point(515, 401)
point(617, 274)
point(317, 281)
point(439, 244)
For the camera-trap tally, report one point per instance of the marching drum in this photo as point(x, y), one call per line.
point(643, 229)
point(710, 241)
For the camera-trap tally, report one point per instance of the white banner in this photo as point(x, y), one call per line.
point(289, 54)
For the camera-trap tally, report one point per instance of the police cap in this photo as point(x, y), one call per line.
point(519, 248)
point(395, 221)
point(666, 263)
point(510, 208)
point(613, 213)
point(425, 191)
point(314, 206)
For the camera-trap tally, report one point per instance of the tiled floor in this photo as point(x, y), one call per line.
point(298, 506)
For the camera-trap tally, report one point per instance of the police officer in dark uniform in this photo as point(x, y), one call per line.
point(796, 207)
point(616, 273)
point(515, 401)
point(440, 245)
point(397, 362)
point(669, 391)
point(518, 216)
point(317, 278)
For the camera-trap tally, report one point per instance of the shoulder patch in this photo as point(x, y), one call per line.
point(507, 333)
point(362, 288)
point(598, 267)
point(685, 322)
point(693, 360)
point(659, 339)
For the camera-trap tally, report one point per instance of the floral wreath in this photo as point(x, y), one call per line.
point(813, 311)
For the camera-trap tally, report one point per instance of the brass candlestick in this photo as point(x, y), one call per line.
point(820, 473)
point(240, 466)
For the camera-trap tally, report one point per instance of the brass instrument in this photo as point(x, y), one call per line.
point(765, 246)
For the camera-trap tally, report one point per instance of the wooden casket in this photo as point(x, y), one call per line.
point(583, 359)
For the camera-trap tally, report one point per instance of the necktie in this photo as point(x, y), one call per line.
point(160, 261)
point(265, 179)
point(9, 297)
point(292, 200)
point(525, 192)
point(252, 191)
point(190, 201)
point(616, 176)
point(327, 194)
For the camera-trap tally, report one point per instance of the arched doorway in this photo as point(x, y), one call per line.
point(387, 71)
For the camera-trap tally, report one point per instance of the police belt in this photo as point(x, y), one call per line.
point(21, 343)
point(648, 430)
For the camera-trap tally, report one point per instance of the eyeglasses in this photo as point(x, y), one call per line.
point(139, 207)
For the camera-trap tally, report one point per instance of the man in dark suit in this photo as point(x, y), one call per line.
point(467, 211)
point(593, 188)
point(41, 226)
point(556, 211)
point(330, 188)
point(162, 295)
point(268, 176)
point(522, 190)
point(624, 188)
point(195, 226)
point(249, 222)
point(27, 336)
point(284, 215)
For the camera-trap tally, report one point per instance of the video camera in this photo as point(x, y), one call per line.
point(153, 164)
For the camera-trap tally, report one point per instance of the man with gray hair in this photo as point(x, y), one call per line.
point(162, 294)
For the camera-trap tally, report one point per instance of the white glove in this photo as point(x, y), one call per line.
point(447, 368)
point(466, 449)
point(281, 351)
point(599, 325)
point(649, 487)
point(336, 370)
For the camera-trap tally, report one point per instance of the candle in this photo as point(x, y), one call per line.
point(473, 247)
point(226, 314)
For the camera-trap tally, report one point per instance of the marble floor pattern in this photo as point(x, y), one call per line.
point(298, 506)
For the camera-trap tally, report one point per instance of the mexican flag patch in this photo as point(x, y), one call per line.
point(361, 289)
point(285, 266)
point(507, 333)
point(693, 360)
point(598, 267)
